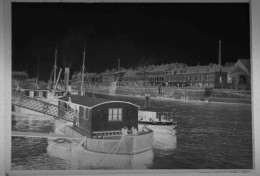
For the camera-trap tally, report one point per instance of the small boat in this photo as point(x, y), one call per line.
point(108, 126)
point(155, 116)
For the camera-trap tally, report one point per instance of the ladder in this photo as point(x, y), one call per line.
point(43, 107)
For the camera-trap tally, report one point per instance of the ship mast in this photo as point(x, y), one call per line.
point(37, 71)
point(82, 72)
point(55, 67)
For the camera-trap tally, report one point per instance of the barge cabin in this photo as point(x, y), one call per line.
point(100, 115)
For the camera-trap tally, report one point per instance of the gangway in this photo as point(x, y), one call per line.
point(43, 107)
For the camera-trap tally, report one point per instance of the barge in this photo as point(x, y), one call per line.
point(109, 127)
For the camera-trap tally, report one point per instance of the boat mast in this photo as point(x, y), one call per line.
point(37, 71)
point(55, 67)
point(83, 71)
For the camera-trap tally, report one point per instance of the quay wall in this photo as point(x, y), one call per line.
point(182, 93)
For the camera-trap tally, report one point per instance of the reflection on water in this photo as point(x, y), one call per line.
point(207, 136)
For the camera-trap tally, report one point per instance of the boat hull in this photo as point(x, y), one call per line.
point(122, 145)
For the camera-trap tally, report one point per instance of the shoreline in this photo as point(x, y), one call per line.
point(221, 100)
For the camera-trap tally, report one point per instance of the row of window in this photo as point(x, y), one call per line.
point(185, 78)
point(114, 114)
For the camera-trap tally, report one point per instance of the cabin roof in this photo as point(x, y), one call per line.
point(32, 86)
point(89, 101)
point(156, 109)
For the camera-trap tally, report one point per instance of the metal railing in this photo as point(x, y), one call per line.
point(43, 107)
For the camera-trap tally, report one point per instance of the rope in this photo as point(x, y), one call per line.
point(112, 150)
point(133, 153)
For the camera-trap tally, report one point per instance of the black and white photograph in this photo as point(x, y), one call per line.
point(131, 86)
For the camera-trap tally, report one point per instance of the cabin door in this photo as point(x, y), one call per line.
point(159, 117)
point(31, 94)
point(40, 95)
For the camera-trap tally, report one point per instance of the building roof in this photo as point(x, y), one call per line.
point(197, 69)
point(33, 86)
point(19, 73)
point(161, 68)
point(89, 101)
point(227, 69)
point(244, 64)
point(130, 73)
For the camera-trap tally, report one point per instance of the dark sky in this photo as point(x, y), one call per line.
point(137, 33)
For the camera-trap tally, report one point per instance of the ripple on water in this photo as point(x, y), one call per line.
point(207, 136)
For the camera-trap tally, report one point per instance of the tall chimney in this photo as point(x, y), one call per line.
point(66, 78)
point(118, 65)
point(219, 52)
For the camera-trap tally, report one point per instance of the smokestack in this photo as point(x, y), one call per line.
point(219, 52)
point(66, 78)
point(118, 64)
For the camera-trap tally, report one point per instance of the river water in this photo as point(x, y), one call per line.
point(206, 136)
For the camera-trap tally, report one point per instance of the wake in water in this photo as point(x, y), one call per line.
point(164, 136)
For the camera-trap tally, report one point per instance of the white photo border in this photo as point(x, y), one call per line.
point(5, 96)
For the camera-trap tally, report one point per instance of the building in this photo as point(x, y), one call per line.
point(129, 78)
point(39, 91)
point(88, 78)
point(19, 76)
point(239, 75)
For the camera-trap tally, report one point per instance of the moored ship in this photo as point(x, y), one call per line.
point(108, 126)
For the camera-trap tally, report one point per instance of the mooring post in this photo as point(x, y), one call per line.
point(147, 100)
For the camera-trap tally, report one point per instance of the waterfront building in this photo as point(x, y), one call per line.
point(19, 75)
point(18, 79)
point(108, 77)
point(157, 75)
point(230, 76)
point(129, 78)
point(143, 76)
point(240, 76)
point(210, 75)
point(119, 75)
point(89, 79)
point(39, 90)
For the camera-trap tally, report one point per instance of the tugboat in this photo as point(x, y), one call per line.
point(108, 126)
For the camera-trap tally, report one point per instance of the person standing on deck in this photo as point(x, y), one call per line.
point(75, 119)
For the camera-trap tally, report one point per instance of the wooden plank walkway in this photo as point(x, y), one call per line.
point(43, 135)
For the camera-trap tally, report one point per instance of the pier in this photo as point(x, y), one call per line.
point(43, 107)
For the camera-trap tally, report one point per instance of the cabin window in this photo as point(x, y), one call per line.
point(115, 114)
